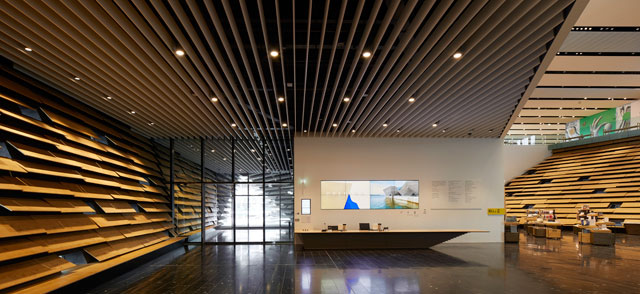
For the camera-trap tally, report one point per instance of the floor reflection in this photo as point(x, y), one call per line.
point(535, 265)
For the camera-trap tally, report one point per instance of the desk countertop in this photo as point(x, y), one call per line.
point(391, 231)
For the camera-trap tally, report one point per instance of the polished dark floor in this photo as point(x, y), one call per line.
point(533, 266)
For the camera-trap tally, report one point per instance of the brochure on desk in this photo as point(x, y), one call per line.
point(369, 194)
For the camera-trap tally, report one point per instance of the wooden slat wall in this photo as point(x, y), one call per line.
point(188, 196)
point(72, 183)
point(601, 174)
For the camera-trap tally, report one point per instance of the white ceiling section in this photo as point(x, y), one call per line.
point(596, 68)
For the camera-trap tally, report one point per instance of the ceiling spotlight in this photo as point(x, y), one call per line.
point(457, 55)
point(585, 98)
point(107, 97)
point(233, 125)
point(224, 158)
point(214, 99)
point(179, 52)
point(151, 123)
point(305, 131)
point(398, 131)
point(76, 78)
point(213, 150)
point(132, 112)
point(274, 53)
point(411, 100)
point(346, 99)
point(28, 49)
point(385, 125)
point(444, 130)
point(353, 131)
point(284, 125)
point(366, 54)
point(280, 99)
point(335, 125)
point(435, 124)
point(253, 150)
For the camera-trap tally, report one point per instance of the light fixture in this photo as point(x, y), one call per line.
point(280, 99)
point(411, 100)
point(385, 125)
point(335, 125)
point(224, 158)
point(179, 52)
point(444, 130)
point(213, 150)
point(435, 124)
point(151, 123)
point(398, 131)
point(253, 150)
point(214, 99)
point(274, 53)
point(585, 98)
point(132, 112)
point(353, 131)
point(107, 97)
point(366, 54)
point(284, 125)
point(346, 99)
point(233, 125)
point(28, 49)
point(76, 78)
point(305, 131)
point(457, 55)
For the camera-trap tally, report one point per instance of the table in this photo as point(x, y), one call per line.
point(392, 239)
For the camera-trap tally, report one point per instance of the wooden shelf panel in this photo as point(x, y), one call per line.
point(66, 241)
point(15, 204)
point(18, 273)
point(150, 207)
point(115, 206)
point(14, 226)
point(16, 248)
point(54, 224)
point(69, 205)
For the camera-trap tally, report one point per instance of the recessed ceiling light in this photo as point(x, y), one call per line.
point(28, 49)
point(107, 97)
point(353, 131)
point(284, 125)
point(385, 125)
point(233, 125)
point(305, 131)
point(366, 54)
point(585, 98)
point(76, 78)
point(457, 55)
point(213, 150)
point(224, 158)
point(411, 100)
point(280, 99)
point(346, 99)
point(179, 52)
point(274, 53)
point(335, 125)
point(444, 130)
point(435, 124)
point(151, 123)
point(398, 131)
point(625, 98)
point(214, 99)
point(253, 150)
point(132, 112)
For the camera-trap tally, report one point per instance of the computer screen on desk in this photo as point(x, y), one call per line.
point(364, 226)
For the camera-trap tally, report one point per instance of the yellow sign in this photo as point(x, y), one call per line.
point(496, 211)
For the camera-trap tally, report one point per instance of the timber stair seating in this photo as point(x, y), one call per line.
point(78, 193)
point(604, 175)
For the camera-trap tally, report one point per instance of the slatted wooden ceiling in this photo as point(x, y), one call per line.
point(596, 68)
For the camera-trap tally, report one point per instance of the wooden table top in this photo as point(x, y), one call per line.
point(391, 231)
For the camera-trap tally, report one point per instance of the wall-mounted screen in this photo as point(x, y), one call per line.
point(305, 204)
point(369, 195)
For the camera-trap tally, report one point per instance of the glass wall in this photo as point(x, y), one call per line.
point(247, 187)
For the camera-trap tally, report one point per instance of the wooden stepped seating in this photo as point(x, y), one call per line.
point(605, 175)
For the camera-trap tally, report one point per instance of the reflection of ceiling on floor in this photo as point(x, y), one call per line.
point(596, 68)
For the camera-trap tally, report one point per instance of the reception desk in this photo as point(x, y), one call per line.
point(392, 239)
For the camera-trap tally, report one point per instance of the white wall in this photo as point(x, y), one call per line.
point(426, 160)
point(519, 158)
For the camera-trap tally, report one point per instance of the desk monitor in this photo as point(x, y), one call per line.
point(364, 227)
point(333, 228)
